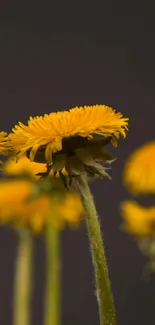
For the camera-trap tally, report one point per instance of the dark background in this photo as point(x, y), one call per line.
point(57, 55)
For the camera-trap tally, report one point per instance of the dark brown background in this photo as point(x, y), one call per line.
point(53, 57)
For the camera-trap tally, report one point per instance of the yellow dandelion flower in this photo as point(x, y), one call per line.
point(17, 209)
point(4, 146)
point(79, 121)
point(61, 139)
point(139, 220)
point(139, 172)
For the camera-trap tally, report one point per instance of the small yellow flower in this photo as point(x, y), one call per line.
point(139, 220)
point(139, 172)
point(61, 139)
point(4, 145)
point(18, 209)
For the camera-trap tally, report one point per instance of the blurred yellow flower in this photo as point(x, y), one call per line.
point(18, 209)
point(23, 166)
point(50, 130)
point(139, 172)
point(138, 220)
point(4, 144)
point(15, 208)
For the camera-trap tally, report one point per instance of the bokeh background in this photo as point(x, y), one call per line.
point(54, 56)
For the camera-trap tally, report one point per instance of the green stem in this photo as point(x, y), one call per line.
point(52, 297)
point(104, 294)
point(22, 282)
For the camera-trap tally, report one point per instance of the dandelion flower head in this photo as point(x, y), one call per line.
point(66, 140)
point(51, 129)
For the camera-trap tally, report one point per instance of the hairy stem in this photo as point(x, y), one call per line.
point(104, 294)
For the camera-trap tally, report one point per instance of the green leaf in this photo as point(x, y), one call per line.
point(108, 157)
point(101, 172)
point(85, 157)
point(94, 167)
point(59, 162)
point(99, 155)
point(92, 171)
point(74, 166)
point(64, 180)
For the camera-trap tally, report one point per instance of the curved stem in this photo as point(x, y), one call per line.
point(22, 282)
point(52, 297)
point(104, 294)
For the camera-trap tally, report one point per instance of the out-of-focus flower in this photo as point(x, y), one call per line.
point(139, 172)
point(18, 209)
point(138, 220)
point(65, 139)
point(23, 166)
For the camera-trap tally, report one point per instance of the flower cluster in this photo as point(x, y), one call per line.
point(62, 145)
point(19, 208)
point(44, 187)
point(139, 179)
